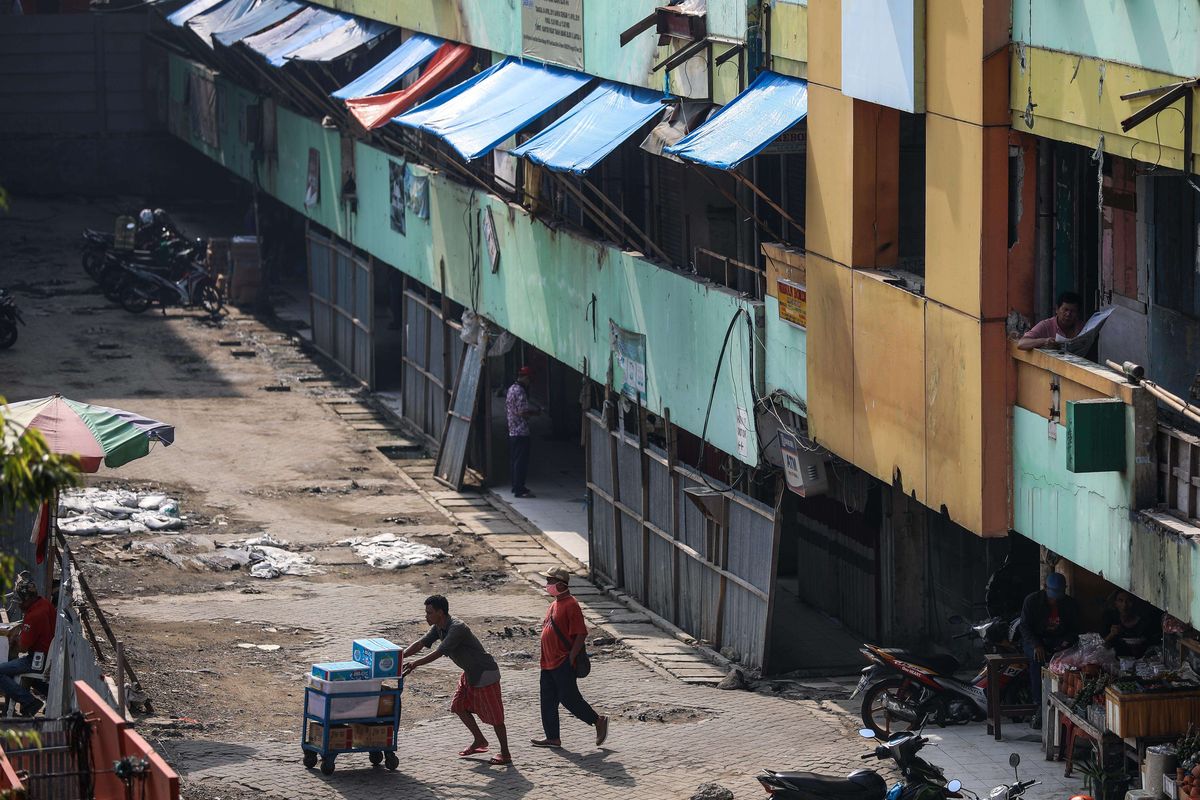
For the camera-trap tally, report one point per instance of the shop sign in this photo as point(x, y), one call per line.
point(552, 31)
point(493, 241)
point(793, 142)
point(793, 302)
point(743, 434)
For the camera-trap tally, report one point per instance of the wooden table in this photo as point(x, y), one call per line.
point(996, 664)
point(1060, 708)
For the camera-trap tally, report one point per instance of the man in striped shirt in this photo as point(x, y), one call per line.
point(478, 692)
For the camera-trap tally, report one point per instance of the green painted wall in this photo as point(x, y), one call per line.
point(1157, 34)
point(787, 349)
point(1083, 517)
point(496, 25)
point(553, 289)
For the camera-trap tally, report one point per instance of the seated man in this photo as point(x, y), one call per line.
point(32, 637)
point(1065, 323)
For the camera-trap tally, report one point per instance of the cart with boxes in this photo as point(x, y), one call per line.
point(354, 706)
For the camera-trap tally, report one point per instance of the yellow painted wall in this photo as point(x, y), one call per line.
point(966, 69)
point(1078, 99)
point(967, 458)
point(831, 324)
point(966, 216)
point(789, 34)
point(825, 43)
point(828, 189)
point(889, 382)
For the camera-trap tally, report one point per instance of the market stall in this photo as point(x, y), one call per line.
point(1138, 714)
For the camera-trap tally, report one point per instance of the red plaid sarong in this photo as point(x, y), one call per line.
point(484, 702)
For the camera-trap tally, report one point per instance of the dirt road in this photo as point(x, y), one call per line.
point(251, 460)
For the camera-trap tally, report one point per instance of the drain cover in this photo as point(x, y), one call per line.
point(399, 451)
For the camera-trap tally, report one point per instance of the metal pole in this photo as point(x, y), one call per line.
point(121, 678)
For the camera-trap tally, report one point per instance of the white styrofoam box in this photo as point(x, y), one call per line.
point(345, 707)
point(883, 52)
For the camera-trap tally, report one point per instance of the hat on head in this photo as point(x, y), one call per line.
point(525, 372)
point(557, 574)
point(1056, 585)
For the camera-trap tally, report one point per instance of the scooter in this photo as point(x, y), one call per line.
point(921, 779)
point(1016, 789)
point(193, 288)
point(10, 315)
point(903, 690)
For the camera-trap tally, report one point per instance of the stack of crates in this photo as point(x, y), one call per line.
point(374, 661)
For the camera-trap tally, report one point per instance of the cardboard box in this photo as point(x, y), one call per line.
point(341, 737)
point(373, 735)
point(334, 705)
point(387, 705)
point(383, 657)
point(341, 671)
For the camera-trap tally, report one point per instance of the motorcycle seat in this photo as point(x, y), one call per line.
point(863, 784)
point(939, 663)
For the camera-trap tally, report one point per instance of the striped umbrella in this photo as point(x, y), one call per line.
point(95, 434)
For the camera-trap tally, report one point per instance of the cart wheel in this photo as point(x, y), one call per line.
point(327, 765)
point(376, 757)
point(390, 761)
point(310, 759)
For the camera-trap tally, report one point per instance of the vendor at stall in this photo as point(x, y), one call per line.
point(1129, 627)
point(1049, 623)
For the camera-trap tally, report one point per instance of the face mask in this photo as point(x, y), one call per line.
point(553, 590)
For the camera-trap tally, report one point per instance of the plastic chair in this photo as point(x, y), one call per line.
point(28, 680)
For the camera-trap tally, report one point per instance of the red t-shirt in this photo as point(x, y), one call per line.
point(37, 631)
point(568, 618)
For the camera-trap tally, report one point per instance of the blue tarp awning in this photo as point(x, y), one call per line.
point(747, 124)
point(593, 129)
point(480, 113)
point(403, 60)
point(274, 44)
point(339, 41)
point(266, 14)
point(224, 15)
point(180, 16)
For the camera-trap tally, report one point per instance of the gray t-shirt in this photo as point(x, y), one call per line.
point(460, 646)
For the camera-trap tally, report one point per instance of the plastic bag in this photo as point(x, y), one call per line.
point(1089, 652)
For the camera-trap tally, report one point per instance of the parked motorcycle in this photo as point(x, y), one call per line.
point(10, 315)
point(170, 259)
point(903, 690)
point(193, 288)
point(1017, 789)
point(922, 780)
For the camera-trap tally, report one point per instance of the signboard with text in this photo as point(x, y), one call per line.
point(793, 302)
point(629, 348)
point(552, 31)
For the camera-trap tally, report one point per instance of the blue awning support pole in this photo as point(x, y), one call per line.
point(748, 212)
point(737, 176)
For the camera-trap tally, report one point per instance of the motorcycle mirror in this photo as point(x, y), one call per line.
point(954, 785)
point(1014, 760)
point(866, 733)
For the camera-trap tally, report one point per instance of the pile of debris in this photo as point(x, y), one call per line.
point(389, 551)
point(87, 512)
point(262, 556)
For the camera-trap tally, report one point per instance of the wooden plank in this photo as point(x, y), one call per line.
point(643, 446)
point(611, 404)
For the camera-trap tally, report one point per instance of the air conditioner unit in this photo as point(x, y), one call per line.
point(803, 465)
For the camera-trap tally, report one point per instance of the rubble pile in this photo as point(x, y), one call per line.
point(389, 551)
point(87, 512)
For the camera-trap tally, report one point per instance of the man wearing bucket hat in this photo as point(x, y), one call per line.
point(518, 410)
point(1049, 623)
point(564, 661)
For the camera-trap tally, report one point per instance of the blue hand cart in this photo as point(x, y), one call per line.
point(326, 751)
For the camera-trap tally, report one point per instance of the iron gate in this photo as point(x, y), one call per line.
point(341, 295)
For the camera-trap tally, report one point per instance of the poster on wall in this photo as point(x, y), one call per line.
point(202, 106)
point(743, 434)
point(552, 31)
point(793, 302)
point(493, 241)
point(397, 175)
point(416, 189)
point(312, 186)
point(629, 349)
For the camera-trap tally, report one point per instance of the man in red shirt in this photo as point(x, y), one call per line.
point(563, 636)
point(32, 637)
